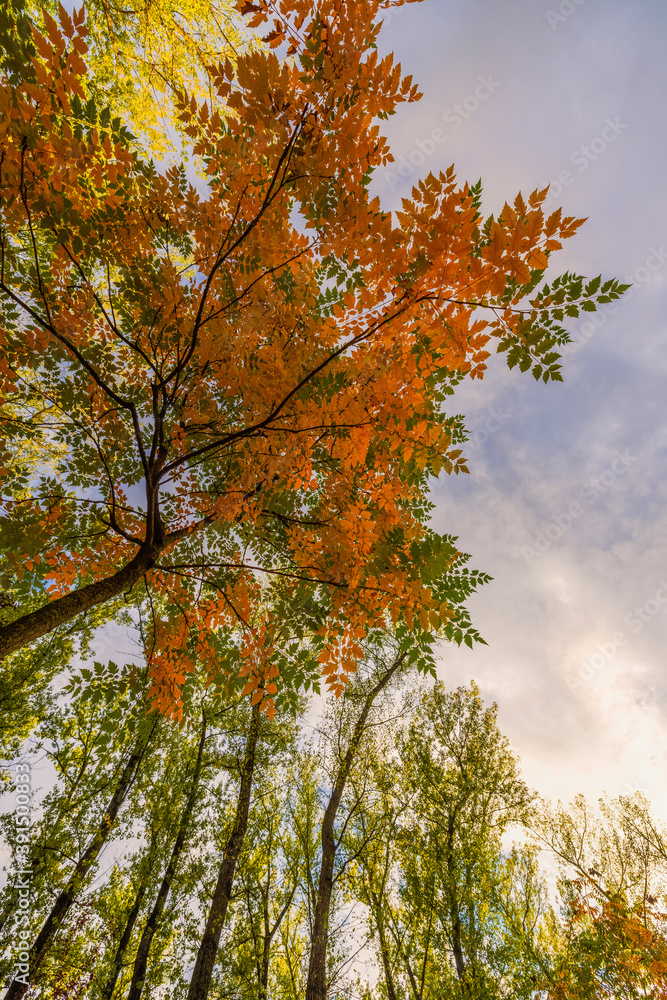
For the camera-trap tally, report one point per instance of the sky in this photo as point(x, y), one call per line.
point(565, 502)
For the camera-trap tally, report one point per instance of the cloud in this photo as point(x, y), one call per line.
point(535, 450)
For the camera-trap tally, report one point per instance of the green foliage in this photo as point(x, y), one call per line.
point(425, 879)
point(442, 896)
point(542, 330)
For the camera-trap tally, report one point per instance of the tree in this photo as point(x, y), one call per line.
point(150, 927)
point(303, 815)
point(109, 984)
point(385, 661)
point(613, 884)
point(442, 898)
point(206, 955)
point(141, 57)
point(96, 783)
point(117, 931)
point(613, 950)
point(235, 390)
point(416, 789)
point(267, 875)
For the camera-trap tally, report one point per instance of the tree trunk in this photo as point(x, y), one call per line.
point(317, 968)
point(39, 623)
point(37, 861)
point(141, 958)
point(107, 990)
point(64, 901)
point(269, 934)
point(384, 953)
point(378, 904)
point(203, 970)
point(266, 953)
point(457, 947)
point(414, 985)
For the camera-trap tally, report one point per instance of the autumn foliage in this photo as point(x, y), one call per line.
point(246, 376)
point(614, 950)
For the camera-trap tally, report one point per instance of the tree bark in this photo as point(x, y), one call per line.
point(457, 947)
point(39, 623)
point(269, 934)
point(317, 968)
point(384, 953)
point(200, 983)
point(64, 901)
point(107, 990)
point(266, 953)
point(141, 958)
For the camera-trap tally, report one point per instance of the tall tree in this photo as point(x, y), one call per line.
point(151, 925)
point(109, 984)
point(126, 919)
point(206, 955)
point(419, 841)
point(441, 896)
point(304, 817)
point(98, 772)
point(614, 888)
point(40, 947)
point(386, 664)
point(268, 873)
point(233, 391)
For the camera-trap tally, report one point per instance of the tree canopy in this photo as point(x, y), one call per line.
point(246, 377)
point(369, 855)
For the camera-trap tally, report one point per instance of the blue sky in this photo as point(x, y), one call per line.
point(565, 503)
